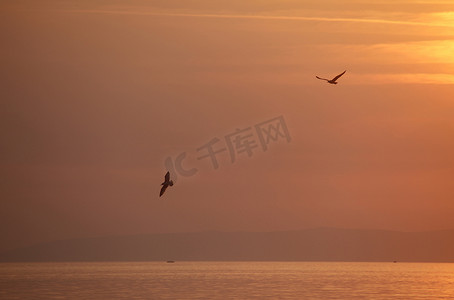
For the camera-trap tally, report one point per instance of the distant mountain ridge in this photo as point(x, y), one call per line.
point(320, 244)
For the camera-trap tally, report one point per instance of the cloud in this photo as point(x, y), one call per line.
point(420, 78)
point(268, 17)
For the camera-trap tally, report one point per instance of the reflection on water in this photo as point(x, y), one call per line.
point(226, 280)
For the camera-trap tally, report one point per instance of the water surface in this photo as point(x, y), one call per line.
point(226, 280)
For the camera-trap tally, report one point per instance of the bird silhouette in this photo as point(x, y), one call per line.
point(332, 81)
point(166, 183)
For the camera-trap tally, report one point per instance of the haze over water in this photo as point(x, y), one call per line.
point(227, 280)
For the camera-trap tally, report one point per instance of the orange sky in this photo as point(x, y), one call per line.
point(96, 95)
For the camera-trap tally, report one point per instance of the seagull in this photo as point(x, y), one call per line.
point(166, 183)
point(332, 81)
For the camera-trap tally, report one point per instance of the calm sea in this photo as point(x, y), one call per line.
point(226, 280)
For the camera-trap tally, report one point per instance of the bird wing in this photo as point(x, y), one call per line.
point(338, 76)
point(321, 78)
point(163, 189)
point(167, 177)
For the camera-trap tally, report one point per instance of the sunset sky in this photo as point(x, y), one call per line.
point(96, 95)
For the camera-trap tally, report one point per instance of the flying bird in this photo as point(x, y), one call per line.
point(166, 183)
point(332, 81)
